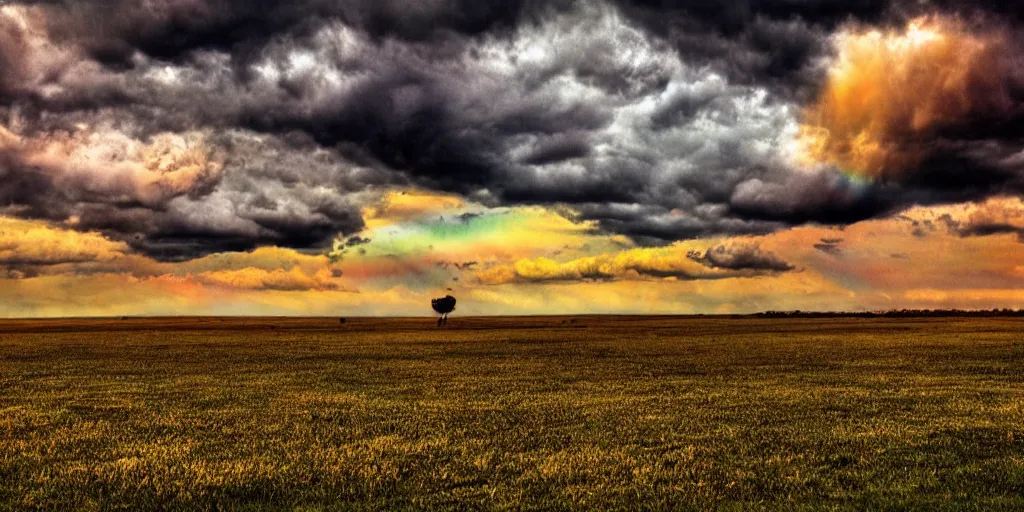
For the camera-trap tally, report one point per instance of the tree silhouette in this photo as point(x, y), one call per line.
point(443, 306)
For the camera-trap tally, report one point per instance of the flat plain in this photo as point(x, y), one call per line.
point(540, 413)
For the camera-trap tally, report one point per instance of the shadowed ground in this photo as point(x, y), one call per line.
point(554, 413)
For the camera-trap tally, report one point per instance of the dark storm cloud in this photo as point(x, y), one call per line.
point(777, 44)
point(272, 194)
point(777, 41)
point(827, 197)
point(12, 51)
point(267, 193)
point(170, 29)
point(558, 149)
point(659, 120)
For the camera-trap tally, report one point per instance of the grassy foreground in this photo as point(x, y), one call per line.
point(599, 413)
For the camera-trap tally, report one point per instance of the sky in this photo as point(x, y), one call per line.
point(360, 157)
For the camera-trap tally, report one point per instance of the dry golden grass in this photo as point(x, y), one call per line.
point(602, 413)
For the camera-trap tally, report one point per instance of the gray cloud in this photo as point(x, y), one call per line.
point(740, 256)
point(987, 220)
point(830, 246)
point(658, 120)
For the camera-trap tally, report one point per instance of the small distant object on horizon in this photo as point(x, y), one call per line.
point(341, 320)
point(443, 306)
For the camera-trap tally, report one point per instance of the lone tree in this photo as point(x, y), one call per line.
point(443, 306)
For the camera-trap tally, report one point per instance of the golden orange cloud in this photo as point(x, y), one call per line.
point(36, 243)
point(278, 279)
point(966, 255)
point(995, 216)
point(680, 261)
point(888, 92)
point(937, 248)
point(398, 206)
point(264, 258)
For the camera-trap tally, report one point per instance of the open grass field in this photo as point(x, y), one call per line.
point(600, 413)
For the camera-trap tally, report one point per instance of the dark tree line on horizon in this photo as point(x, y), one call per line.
point(895, 313)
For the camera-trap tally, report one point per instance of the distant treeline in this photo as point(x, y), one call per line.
point(896, 313)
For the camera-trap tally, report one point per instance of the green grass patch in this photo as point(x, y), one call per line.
point(604, 413)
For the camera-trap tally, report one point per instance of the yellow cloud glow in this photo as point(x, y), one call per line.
point(35, 243)
point(923, 258)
